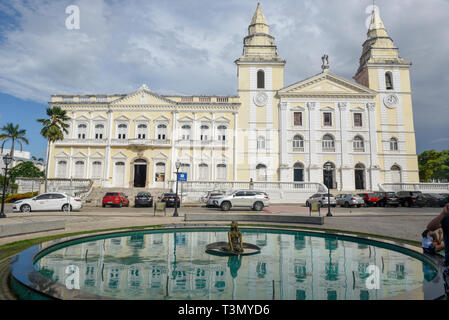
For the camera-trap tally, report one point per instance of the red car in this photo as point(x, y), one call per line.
point(371, 199)
point(115, 199)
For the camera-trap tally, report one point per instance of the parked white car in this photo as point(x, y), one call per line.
point(48, 202)
point(350, 200)
point(252, 199)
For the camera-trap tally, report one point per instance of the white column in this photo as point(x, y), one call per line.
point(174, 135)
point(235, 141)
point(342, 106)
point(374, 170)
point(107, 156)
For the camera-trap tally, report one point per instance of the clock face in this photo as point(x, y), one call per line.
point(391, 101)
point(261, 99)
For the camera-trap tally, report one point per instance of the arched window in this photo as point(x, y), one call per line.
point(221, 172)
point(82, 131)
point(186, 131)
point(62, 169)
point(396, 176)
point(222, 133)
point(96, 170)
point(204, 133)
point(261, 172)
point(260, 79)
point(389, 81)
point(162, 132)
point(142, 131)
point(261, 143)
point(79, 169)
point(203, 170)
point(328, 143)
point(298, 144)
point(122, 131)
point(99, 131)
point(160, 172)
point(394, 144)
point(359, 144)
point(185, 168)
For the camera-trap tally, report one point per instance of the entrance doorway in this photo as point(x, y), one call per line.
point(360, 177)
point(140, 173)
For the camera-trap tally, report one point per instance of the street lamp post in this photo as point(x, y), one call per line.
point(6, 160)
point(178, 165)
point(328, 168)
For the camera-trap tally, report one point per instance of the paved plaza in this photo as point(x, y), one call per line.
point(404, 223)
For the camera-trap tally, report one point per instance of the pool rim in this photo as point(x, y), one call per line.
point(25, 275)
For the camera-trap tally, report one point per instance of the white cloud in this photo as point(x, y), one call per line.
point(181, 46)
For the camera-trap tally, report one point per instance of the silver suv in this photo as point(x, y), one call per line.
point(253, 199)
point(350, 200)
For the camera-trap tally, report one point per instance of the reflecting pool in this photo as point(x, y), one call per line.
point(291, 266)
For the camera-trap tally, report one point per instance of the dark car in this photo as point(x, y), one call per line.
point(170, 199)
point(143, 199)
point(370, 199)
point(388, 199)
point(445, 197)
point(434, 200)
point(116, 199)
point(411, 199)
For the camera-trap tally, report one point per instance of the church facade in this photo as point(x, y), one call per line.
point(363, 130)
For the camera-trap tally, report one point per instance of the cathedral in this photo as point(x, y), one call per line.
point(347, 134)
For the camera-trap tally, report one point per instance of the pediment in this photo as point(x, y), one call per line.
point(99, 118)
point(142, 118)
point(185, 119)
point(62, 154)
point(122, 118)
point(79, 154)
point(162, 118)
point(326, 84)
point(82, 118)
point(119, 155)
point(97, 155)
point(143, 96)
point(222, 120)
point(160, 156)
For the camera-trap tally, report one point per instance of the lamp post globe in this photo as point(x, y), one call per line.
point(177, 165)
point(328, 168)
point(7, 159)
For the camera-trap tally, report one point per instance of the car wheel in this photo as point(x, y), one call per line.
point(347, 205)
point(104, 206)
point(258, 206)
point(25, 208)
point(359, 206)
point(226, 206)
point(120, 204)
point(66, 208)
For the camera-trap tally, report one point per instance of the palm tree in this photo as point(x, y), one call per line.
point(53, 130)
point(15, 135)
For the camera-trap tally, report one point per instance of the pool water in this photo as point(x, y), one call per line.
point(291, 266)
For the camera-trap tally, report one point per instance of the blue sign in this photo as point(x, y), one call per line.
point(182, 177)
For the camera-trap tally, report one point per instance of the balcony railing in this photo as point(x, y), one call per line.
point(141, 142)
point(203, 143)
point(82, 142)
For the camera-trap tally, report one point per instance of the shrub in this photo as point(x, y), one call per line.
point(14, 197)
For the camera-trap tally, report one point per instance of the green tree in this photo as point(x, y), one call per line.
point(434, 165)
point(25, 170)
point(13, 134)
point(53, 130)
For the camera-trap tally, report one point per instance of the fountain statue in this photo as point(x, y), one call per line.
point(235, 245)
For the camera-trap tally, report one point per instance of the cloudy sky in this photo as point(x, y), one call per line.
point(189, 46)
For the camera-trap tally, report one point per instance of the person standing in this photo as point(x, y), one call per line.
point(442, 221)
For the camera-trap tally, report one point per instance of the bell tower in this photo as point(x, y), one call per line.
point(260, 76)
point(383, 70)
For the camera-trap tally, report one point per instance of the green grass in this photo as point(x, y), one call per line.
point(10, 249)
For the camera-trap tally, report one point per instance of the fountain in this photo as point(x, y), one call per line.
point(235, 245)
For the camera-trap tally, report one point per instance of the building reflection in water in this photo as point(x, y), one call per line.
point(176, 266)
